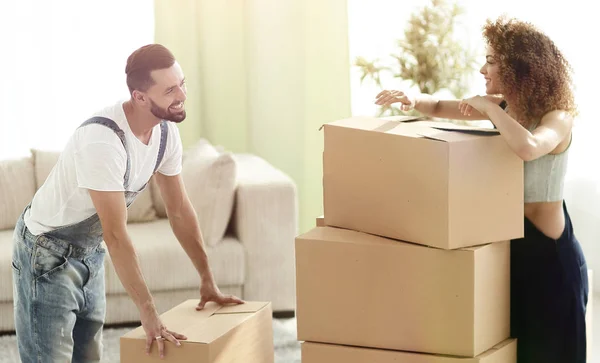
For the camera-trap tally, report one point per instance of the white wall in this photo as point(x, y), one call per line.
point(267, 75)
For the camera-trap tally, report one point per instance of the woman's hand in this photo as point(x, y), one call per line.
point(388, 97)
point(478, 103)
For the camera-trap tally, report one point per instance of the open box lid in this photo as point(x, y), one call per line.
point(417, 127)
point(204, 326)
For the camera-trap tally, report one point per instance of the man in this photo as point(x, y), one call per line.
point(58, 257)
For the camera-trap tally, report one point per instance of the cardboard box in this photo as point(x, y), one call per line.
point(505, 352)
point(217, 334)
point(320, 221)
point(358, 289)
point(423, 182)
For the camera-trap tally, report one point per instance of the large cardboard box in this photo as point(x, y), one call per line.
point(424, 182)
point(505, 352)
point(216, 334)
point(358, 289)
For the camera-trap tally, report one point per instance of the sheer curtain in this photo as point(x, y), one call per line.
point(375, 25)
point(61, 61)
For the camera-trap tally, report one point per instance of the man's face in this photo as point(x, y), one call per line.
point(168, 94)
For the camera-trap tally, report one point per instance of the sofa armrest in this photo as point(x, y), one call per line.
point(265, 220)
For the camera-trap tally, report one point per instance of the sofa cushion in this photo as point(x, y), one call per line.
point(17, 188)
point(166, 266)
point(164, 263)
point(209, 175)
point(43, 163)
point(141, 210)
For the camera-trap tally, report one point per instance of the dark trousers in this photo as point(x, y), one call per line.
point(549, 293)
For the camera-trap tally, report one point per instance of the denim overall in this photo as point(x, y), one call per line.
point(58, 281)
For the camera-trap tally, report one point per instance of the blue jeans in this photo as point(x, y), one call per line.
point(59, 298)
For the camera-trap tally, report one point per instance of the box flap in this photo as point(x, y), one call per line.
point(449, 132)
point(247, 307)
point(448, 126)
point(206, 325)
point(405, 118)
point(359, 122)
point(179, 317)
point(343, 235)
point(417, 127)
point(372, 123)
point(442, 135)
point(333, 234)
point(206, 332)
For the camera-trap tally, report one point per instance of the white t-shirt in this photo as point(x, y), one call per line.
point(94, 158)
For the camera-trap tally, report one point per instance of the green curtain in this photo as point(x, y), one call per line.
point(262, 77)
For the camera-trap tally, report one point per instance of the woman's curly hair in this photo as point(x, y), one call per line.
point(532, 69)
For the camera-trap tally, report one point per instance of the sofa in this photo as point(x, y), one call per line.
point(247, 210)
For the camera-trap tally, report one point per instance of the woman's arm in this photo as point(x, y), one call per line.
point(431, 106)
point(553, 128)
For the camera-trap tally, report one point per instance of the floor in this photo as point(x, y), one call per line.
point(286, 346)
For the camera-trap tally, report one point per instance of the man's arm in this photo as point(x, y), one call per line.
point(184, 223)
point(112, 210)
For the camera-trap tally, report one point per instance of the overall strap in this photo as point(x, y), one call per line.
point(113, 126)
point(164, 132)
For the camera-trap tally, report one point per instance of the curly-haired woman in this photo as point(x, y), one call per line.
point(530, 101)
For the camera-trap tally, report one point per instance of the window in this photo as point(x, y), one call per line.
point(62, 61)
point(376, 24)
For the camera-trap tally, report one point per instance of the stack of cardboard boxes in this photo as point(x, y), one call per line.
point(411, 261)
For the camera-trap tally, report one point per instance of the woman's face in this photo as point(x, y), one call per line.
point(490, 71)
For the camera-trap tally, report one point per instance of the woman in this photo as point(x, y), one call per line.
point(530, 101)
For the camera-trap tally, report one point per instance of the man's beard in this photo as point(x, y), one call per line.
point(166, 114)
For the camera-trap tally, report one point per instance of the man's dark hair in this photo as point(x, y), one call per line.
point(142, 62)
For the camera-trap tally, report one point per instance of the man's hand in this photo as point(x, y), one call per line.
point(210, 292)
point(155, 330)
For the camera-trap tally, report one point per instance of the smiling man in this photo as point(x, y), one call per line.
point(58, 258)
